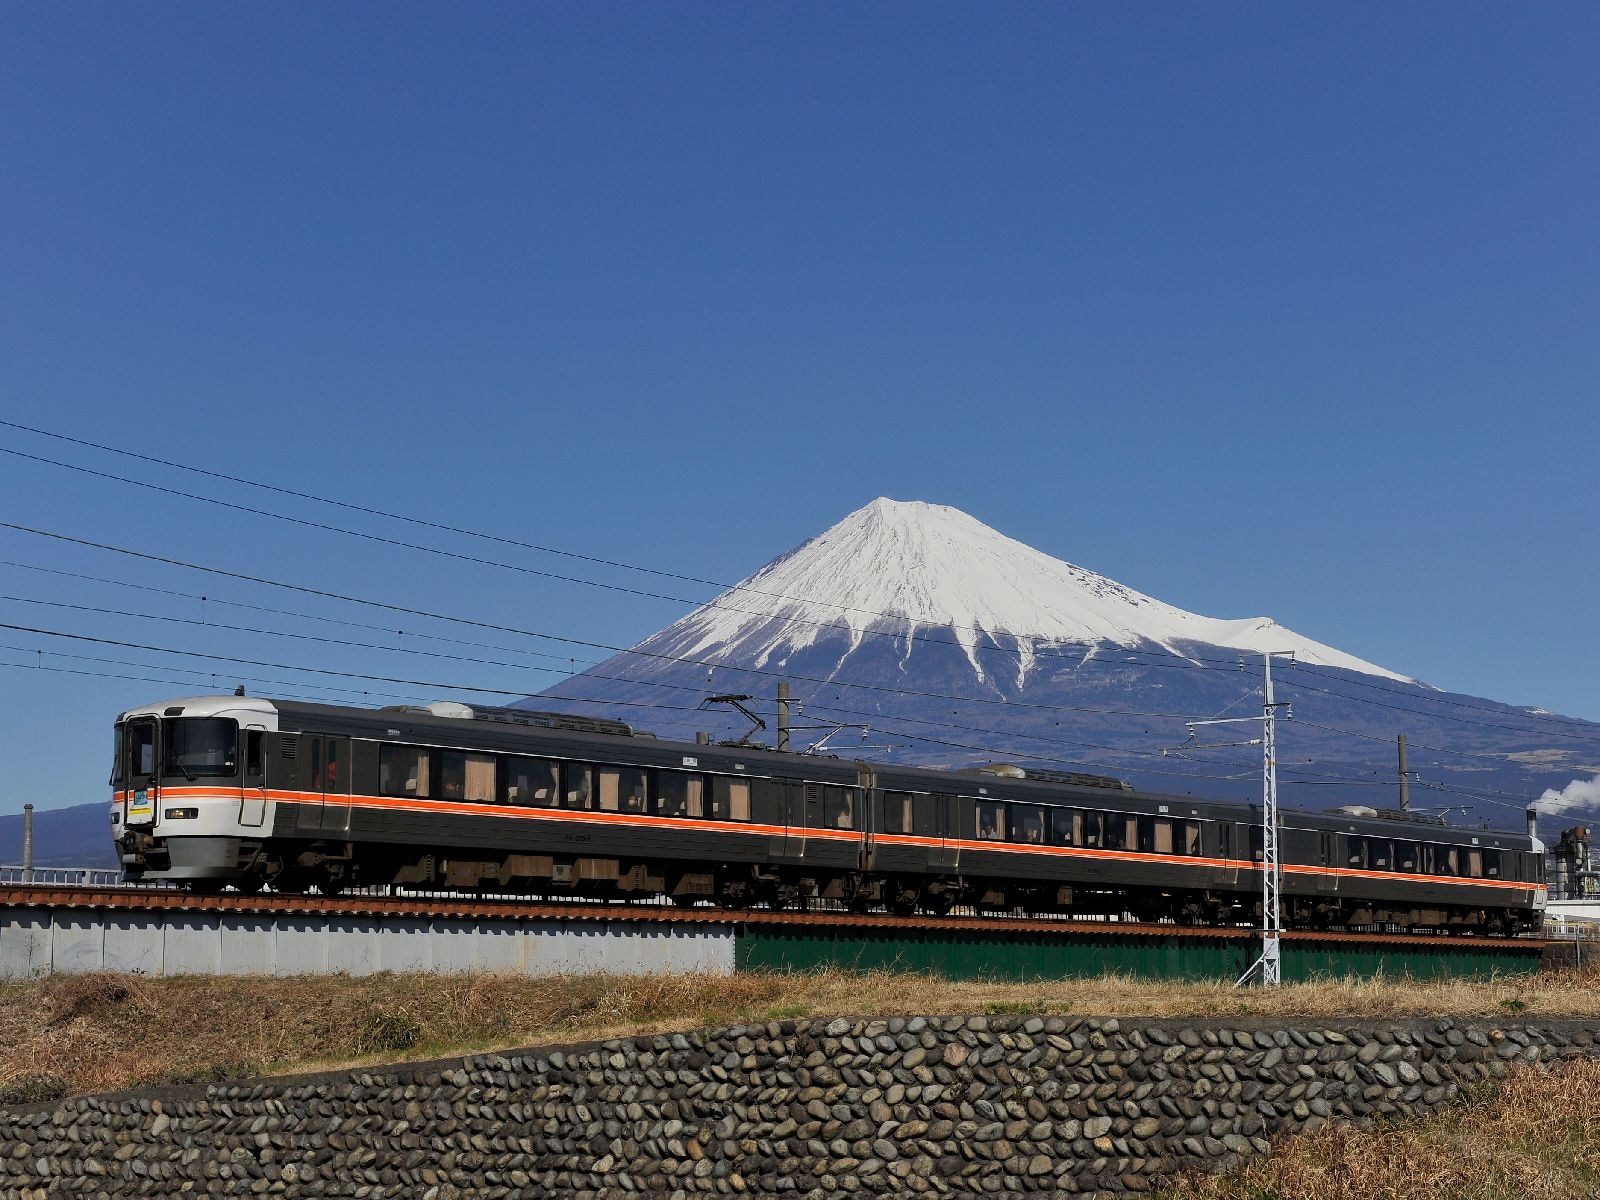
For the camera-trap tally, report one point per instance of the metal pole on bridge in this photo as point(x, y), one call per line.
point(27, 843)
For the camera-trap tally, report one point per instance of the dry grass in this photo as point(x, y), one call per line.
point(101, 1032)
point(1537, 1137)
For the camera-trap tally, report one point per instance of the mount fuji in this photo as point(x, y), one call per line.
point(912, 632)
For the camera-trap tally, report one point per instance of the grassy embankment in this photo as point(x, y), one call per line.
point(1536, 1137)
point(102, 1032)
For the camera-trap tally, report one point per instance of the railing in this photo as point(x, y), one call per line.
point(75, 876)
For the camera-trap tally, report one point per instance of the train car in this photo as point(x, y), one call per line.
point(220, 791)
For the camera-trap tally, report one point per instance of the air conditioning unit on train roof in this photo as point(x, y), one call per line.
point(455, 710)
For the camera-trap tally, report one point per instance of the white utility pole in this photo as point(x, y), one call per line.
point(1269, 965)
point(1271, 878)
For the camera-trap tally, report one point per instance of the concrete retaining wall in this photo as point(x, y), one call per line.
point(44, 941)
point(961, 1106)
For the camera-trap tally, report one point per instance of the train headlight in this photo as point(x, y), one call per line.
point(181, 814)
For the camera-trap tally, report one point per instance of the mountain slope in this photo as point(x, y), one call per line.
point(952, 644)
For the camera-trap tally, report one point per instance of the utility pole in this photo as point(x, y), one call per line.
point(1269, 964)
point(1405, 777)
point(783, 715)
point(1271, 908)
point(27, 843)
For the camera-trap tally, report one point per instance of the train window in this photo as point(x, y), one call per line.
point(142, 748)
point(1093, 828)
point(254, 766)
point(1120, 832)
point(577, 784)
point(730, 799)
point(202, 746)
point(1257, 854)
point(680, 795)
point(1405, 856)
point(316, 764)
point(1188, 840)
point(462, 776)
point(1358, 851)
point(1027, 823)
point(1448, 860)
point(530, 781)
point(897, 812)
point(118, 762)
point(1066, 827)
point(622, 789)
point(335, 778)
point(991, 821)
point(1475, 863)
point(1491, 864)
point(1161, 839)
point(839, 808)
point(402, 771)
point(1382, 854)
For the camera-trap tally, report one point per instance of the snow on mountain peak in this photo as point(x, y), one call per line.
point(895, 567)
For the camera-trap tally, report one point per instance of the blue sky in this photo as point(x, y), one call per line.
point(1259, 309)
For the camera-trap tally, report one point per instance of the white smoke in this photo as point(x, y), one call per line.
point(1580, 793)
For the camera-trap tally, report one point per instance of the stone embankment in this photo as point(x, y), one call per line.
point(963, 1106)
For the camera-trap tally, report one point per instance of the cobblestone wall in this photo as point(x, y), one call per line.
point(963, 1106)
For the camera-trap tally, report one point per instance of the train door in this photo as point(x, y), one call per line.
point(141, 738)
point(779, 799)
point(1327, 878)
point(946, 853)
point(335, 783)
point(253, 799)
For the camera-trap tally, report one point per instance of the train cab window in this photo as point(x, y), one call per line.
point(403, 771)
point(897, 812)
point(462, 776)
point(1027, 824)
point(1491, 864)
point(730, 799)
point(839, 808)
point(530, 782)
point(577, 785)
point(119, 762)
point(201, 746)
point(1066, 827)
point(680, 795)
point(991, 821)
point(622, 789)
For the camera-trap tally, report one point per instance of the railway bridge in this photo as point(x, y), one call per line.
point(49, 928)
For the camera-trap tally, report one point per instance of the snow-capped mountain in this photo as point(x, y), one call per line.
point(913, 632)
point(894, 568)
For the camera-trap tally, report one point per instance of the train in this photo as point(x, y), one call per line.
point(236, 791)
